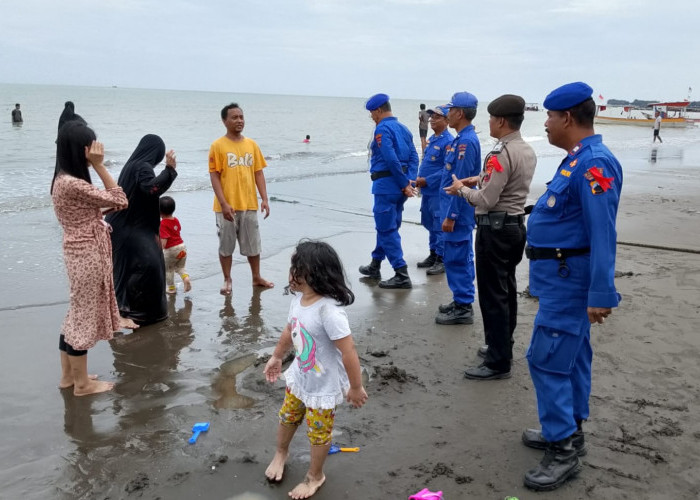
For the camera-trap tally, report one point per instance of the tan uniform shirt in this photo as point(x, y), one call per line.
point(504, 182)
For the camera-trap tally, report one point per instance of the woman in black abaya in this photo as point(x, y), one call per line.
point(139, 269)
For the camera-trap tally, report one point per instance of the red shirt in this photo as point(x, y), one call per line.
point(170, 230)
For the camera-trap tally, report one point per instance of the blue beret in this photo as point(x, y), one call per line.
point(439, 110)
point(462, 100)
point(376, 101)
point(567, 96)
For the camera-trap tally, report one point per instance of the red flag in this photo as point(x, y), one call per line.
point(600, 96)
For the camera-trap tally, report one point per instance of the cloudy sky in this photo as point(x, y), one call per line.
point(423, 49)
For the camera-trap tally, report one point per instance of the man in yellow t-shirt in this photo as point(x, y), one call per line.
point(236, 171)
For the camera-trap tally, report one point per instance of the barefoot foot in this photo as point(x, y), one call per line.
point(188, 283)
point(93, 387)
point(127, 323)
point(263, 283)
point(275, 470)
point(307, 487)
point(68, 382)
point(226, 289)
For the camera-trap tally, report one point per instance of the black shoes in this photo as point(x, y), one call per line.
point(482, 353)
point(437, 268)
point(560, 463)
point(400, 279)
point(443, 308)
point(429, 261)
point(372, 270)
point(533, 438)
point(483, 372)
point(457, 314)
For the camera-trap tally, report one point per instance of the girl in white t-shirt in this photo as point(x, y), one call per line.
point(326, 369)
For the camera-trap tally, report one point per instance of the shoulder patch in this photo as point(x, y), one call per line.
point(598, 182)
point(493, 162)
point(378, 140)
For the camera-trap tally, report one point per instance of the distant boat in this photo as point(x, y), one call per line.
point(532, 106)
point(673, 115)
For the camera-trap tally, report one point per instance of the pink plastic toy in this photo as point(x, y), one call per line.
point(426, 494)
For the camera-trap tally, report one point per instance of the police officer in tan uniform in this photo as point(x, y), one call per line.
point(499, 202)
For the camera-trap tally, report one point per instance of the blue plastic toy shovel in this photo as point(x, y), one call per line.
point(197, 429)
point(337, 449)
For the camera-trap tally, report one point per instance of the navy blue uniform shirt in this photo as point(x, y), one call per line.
point(578, 210)
point(392, 150)
point(434, 162)
point(464, 160)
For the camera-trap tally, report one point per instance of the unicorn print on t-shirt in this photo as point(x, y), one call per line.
point(305, 347)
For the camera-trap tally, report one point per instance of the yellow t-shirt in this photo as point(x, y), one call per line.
point(237, 162)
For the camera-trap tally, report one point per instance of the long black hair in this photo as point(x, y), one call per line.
point(318, 264)
point(70, 151)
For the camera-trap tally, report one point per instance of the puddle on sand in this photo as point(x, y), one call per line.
point(224, 384)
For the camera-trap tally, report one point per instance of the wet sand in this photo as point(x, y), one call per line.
point(424, 424)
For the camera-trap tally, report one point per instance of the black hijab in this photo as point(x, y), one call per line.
point(142, 187)
point(151, 151)
point(69, 115)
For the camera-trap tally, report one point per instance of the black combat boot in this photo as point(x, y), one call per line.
point(400, 279)
point(372, 270)
point(437, 268)
point(533, 438)
point(429, 260)
point(559, 463)
point(443, 308)
point(459, 314)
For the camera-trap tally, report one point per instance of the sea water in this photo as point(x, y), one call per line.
point(189, 121)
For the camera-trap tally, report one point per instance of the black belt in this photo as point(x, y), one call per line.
point(510, 220)
point(384, 173)
point(554, 253)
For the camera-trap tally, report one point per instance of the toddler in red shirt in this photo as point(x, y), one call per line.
point(174, 250)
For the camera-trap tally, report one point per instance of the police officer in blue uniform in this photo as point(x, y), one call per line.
point(571, 242)
point(464, 160)
point(393, 165)
point(428, 180)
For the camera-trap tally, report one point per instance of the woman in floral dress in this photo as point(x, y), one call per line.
point(87, 251)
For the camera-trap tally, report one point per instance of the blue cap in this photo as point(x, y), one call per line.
point(439, 110)
point(376, 101)
point(462, 100)
point(567, 96)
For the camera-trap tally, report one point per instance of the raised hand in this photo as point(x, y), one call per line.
point(95, 154)
point(170, 159)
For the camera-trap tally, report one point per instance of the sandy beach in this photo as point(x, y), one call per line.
point(424, 424)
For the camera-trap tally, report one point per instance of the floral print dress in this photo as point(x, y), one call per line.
point(87, 251)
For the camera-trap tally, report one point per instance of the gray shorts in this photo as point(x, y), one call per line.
point(243, 229)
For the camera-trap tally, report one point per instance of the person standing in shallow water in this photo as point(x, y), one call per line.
point(17, 115)
point(423, 118)
point(657, 127)
point(92, 314)
point(139, 268)
point(236, 171)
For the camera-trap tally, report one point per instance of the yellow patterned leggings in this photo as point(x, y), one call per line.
point(320, 422)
